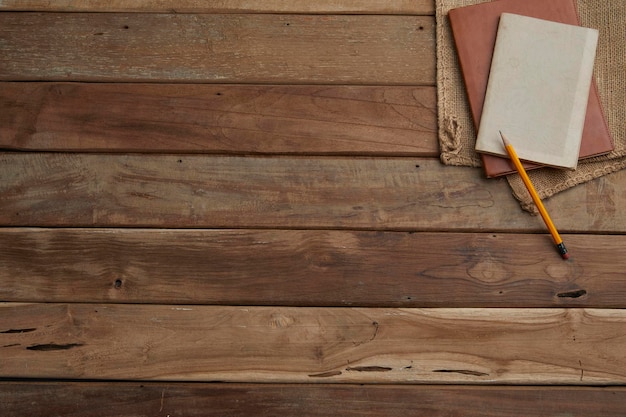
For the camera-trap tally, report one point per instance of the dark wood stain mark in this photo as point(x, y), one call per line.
point(53, 346)
point(326, 374)
point(461, 371)
point(14, 331)
point(572, 294)
point(369, 369)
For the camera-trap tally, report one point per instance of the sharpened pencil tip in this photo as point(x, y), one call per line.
point(504, 139)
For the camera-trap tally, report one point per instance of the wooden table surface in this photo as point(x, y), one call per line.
point(236, 208)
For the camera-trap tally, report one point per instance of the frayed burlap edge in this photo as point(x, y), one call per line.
point(457, 135)
point(456, 132)
point(562, 181)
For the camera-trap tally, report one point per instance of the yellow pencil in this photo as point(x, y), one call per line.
point(531, 189)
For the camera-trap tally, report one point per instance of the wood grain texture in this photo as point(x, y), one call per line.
point(197, 191)
point(250, 119)
point(227, 48)
point(272, 344)
point(294, 93)
point(182, 399)
point(226, 6)
point(309, 268)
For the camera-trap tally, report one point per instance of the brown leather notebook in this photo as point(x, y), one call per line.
point(474, 29)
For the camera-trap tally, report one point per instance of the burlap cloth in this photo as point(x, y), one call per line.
point(457, 135)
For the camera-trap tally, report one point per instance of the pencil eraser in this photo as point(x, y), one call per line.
point(562, 250)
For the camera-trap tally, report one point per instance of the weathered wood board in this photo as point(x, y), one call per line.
point(420, 7)
point(208, 48)
point(274, 344)
point(310, 268)
point(58, 189)
point(207, 118)
point(306, 400)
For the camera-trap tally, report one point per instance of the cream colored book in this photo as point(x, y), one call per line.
point(537, 90)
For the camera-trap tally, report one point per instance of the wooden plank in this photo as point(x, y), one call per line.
point(381, 120)
point(227, 48)
point(200, 191)
point(230, 6)
point(274, 344)
point(309, 268)
point(69, 399)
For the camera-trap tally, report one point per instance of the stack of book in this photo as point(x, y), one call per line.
point(527, 67)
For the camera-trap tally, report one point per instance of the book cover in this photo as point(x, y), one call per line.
point(474, 29)
point(538, 90)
